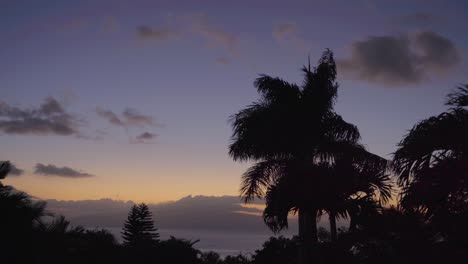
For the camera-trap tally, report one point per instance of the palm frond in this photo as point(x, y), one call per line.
point(278, 207)
point(458, 98)
point(258, 177)
point(276, 89)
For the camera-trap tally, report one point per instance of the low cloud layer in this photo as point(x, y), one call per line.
point(192, 212)
point(65, 172)
point(50, 118)
point(401, 60)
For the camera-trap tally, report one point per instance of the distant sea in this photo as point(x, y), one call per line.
point(224, 243)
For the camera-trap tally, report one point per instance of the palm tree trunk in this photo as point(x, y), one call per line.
point(333, 234)
point(307, 234)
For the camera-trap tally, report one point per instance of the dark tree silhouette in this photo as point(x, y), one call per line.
point(5, 168)
point(432, 166)
point(176, 250)
point(295, 137)
point(139, 230)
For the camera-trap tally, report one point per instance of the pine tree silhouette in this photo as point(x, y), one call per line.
point(139, 230)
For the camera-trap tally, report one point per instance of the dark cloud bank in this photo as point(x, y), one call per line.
point(190, 213)
point(401, 60)
point(50, 118)
point(65, 172)
point(15, 171)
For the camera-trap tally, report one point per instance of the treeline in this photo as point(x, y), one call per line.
point(30, 234)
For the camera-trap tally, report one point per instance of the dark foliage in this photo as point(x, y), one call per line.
point(432, 165)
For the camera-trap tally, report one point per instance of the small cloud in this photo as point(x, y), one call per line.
point(400, 60)
point(49, 118)
point(284, 30)
point(146, 32)
point(110, 116)
point(15, 171)
point(134, 118)
point(145, 137)
point(215, 35)
point(65, 172)
point(223, 61)
point(288, 32)
point(130, 117)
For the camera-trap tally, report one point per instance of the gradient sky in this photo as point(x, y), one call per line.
point(185, 66)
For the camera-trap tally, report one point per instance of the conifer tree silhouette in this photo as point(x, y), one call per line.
point(139, 230)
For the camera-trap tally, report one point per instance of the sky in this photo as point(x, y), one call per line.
point(130, 100)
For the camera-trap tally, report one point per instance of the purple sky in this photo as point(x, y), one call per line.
point(145, 88)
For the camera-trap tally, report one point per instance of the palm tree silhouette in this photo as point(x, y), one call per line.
point(432, 164)
point(295, 136)
point(20, 216)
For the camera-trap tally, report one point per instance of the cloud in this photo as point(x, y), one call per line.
point(190, 25)
point(49, 118)
point(213, 34)
point(15, 171)
point(220, 222)
point(130, 117)
point(223, 60)
point(65, 172)
point(400, 60)
point(288, 32)
point(438, 53)
point(134, 118)
point(144, 138)
point(110, 116)
point(147, 32)
point(224, 213)
point(284, 30)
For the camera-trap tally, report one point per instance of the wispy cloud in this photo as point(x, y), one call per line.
point(284, 30)
point(129, 117)
point(198, 25)
point(144, 138)
point(288, 33)
point(215, 35)
point(110, 116)
point(65, 172)
point(401, 60)
point(223, 60)
point(50, 118)
point(163, 33)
